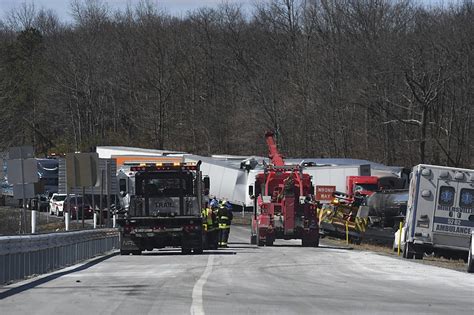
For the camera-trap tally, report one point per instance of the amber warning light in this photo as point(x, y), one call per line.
point(164, 166)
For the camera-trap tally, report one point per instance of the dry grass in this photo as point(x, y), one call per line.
point(454, 264)
point(10, 222)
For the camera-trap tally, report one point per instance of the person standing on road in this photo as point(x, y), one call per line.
point(231, 216)
point(209, 225)
point(224, 225)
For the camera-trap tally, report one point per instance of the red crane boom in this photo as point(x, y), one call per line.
point(275, 157)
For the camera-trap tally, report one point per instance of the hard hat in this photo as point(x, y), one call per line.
point(213, 203)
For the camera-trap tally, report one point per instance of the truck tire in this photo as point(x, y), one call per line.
point(408, 251)
point(136, 252)
point(185, 250)
point(418, 255)
point(197, 251)
point(269, 241)
point(124, 252)
point(470, 259)
point(253, 239)
point(259, 241)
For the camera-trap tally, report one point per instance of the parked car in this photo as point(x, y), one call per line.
point(56, 204)
point(40, 202)
point(76, 204)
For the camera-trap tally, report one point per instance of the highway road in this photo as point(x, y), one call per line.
point(245, 279)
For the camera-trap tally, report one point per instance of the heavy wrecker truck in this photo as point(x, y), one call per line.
point(284, 207)
point(162, 207)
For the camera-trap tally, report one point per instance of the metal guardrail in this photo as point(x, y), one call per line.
point(27, 255)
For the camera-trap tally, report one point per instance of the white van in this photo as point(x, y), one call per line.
point(440, 210)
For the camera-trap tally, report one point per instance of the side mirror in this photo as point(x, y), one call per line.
point(251, 191)
point(252, 197)
point(207, 183)
point(123, 194)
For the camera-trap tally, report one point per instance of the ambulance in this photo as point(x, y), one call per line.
point(440, 211)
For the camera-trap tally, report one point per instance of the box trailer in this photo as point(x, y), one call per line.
point(327, 179)
point(231, 180)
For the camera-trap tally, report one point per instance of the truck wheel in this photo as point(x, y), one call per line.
point(408, 251)
point(185, 250)
point(470, 260)
point(137, 252)
point(253, 239)
point(260, 242)
point(197, 251)
point(418, 255)
point(124, 252)
point(316, 243)
point(269, 241)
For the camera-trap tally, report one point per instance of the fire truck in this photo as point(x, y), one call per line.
point(284, 206)
point(162, 205)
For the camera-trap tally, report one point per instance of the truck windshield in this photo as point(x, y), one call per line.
point(164, 185)
point(365, 187)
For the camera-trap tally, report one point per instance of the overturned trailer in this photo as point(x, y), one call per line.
point(233, 179)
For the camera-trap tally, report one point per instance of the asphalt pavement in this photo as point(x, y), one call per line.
point(245, 279)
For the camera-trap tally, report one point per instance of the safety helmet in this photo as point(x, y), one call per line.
point(213, 203)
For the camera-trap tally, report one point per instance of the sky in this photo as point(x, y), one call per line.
point(174, 7)
point(61, 7)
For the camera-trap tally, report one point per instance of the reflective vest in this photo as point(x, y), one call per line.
point(207, 222)
point(223, 218)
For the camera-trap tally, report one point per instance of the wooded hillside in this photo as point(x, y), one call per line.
point(388, 81)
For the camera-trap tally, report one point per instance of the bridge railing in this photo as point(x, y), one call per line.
point(28, 255)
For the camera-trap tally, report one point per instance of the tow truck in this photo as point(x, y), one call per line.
point(162, 205)
point(284, 207)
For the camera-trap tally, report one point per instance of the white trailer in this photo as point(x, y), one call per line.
point(335, 175)
point(440, 211)
point(229, 179)
point(107, 152)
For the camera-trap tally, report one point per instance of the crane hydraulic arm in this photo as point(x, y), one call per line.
point(275, 158)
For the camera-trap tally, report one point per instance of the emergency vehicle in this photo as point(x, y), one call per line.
point(440, 211)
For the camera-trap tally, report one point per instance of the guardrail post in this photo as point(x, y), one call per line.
point(66, 220)
point(399, 237)
point(33, 221)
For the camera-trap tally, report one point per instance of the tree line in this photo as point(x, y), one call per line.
point(388, 81)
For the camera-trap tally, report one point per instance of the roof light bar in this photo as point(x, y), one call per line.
point(164, 166)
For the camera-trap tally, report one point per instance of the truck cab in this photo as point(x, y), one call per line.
point(364, 185)
point(161, 207)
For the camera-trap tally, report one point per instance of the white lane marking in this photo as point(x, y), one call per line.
point(197, 307)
